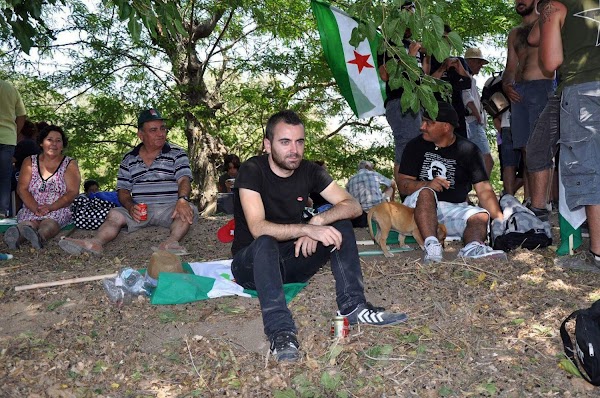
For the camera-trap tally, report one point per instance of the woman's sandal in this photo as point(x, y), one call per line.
point(33, 236)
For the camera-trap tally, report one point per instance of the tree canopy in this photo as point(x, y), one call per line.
point(216, 69)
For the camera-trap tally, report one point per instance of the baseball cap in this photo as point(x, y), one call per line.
point(475, 53)
point(446, 114)
point(149, 115)
point(225, 233)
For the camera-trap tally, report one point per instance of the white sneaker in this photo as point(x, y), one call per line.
point(433, 253)
point(479, 250)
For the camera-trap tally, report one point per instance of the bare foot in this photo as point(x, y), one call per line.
point(79, 246)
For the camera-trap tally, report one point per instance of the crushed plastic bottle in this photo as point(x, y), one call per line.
point(5, 256)
point(116, 294)
point(133, 282)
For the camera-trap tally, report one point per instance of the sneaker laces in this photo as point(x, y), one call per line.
point(434, 249)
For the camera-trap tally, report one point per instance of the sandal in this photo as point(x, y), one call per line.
point(33, 236)
point(12, 237)
point(76, 246)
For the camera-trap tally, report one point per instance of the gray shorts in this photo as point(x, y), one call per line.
point(476, 134)
point(453, 215)
point(510, 156)
point(542, 144)
point(159, 215)
point(580, 144)
point(523, 114)
point(405, 126)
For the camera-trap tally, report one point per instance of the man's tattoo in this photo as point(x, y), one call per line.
point(546, 9)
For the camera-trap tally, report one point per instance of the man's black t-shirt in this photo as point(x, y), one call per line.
point(460, 163)
point(284, 199)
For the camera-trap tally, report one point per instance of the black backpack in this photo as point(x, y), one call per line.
point(494, 100)
point(587, 342)
point(520, 227)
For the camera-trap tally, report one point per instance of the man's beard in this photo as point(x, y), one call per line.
point(526, 11)
point(282, 162)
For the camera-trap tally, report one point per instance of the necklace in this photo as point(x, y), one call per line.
point(451, 142)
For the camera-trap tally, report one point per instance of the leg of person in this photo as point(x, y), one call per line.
point(38, 235)
point(593, 219)
point(424, 201)
point(6, 154)
point(116, 219)
point(258, 266)
point(350, 296)
point(178, 228)
point(510, 160)
point(405, 127)
point(478, 136)
point(541, 149)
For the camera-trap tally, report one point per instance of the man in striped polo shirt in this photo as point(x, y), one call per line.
point(155, 173)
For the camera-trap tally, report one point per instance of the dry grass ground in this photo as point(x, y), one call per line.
point(475, 329)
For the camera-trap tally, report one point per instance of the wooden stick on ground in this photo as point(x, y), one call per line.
point(65, 282)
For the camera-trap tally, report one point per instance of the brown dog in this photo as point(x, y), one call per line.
point(400, 218)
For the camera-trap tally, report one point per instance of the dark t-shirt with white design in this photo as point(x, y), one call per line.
point(460, 163)
point(284, 199)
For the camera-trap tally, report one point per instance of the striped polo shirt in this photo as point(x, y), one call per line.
point(158, 183)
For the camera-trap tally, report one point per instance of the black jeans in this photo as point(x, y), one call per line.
point(266, 264)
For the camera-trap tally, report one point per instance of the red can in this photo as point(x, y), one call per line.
point(143, 211)
point(340, 327)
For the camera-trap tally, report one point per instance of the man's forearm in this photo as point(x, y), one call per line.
point(184, 187)
point(125, 199)
point(344, 210)
point(281, 232)
point(408, 187)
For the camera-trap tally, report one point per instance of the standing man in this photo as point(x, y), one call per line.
point(365, 186)
point(476, 117)
point(272, 246)
point(525, 83)
point(12, 119)
point(438, 170)
point(155, 173)
point(569, 40)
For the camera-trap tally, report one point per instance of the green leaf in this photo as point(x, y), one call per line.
point(330, 382)
point(125, 10)
point(287, 393)
point(518, 321)
point(445, 391)
point(566, 364)
point(135, 28)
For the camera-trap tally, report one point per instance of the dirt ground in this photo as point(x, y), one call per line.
point(480, 328)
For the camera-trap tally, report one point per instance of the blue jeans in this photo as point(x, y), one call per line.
point(6, 154)
point(266, 264)
point(405, 126)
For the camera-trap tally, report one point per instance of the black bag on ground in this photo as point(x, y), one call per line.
point(494, 100)
point(90, 213)
point(520, 227)
point(586, 353)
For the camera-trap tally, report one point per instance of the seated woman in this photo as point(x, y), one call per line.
point(47, 185)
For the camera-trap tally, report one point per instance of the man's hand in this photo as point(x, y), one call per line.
point(325, 234)
point(511, 93)
point(438, 184)
point(183, 211)
point(306, 245)
point(135, 213)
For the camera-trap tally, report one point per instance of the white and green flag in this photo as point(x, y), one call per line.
point(570, 223)
point(355, 69)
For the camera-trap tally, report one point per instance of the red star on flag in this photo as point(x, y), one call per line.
point(362, 61)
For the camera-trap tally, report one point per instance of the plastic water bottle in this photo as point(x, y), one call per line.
point(5, 256)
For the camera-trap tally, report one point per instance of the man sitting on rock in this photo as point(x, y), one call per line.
point(157, 174)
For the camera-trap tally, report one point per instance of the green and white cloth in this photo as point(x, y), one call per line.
point(355, 69)
point(570, 223)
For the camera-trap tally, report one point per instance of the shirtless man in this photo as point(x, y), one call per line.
point(524, 81)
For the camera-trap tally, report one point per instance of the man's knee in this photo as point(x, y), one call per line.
point(478, 219)
point(115, 218)
point(426, 198)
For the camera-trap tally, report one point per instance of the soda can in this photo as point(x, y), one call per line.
point(340, 327)
point(143, 211)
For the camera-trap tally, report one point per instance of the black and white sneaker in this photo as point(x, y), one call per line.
point(367, 314)
point(284, 347)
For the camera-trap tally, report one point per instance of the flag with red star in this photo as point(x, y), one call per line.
point(354, 68)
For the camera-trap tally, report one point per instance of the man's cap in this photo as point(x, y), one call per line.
point(475, 53)
point(225, 233)
point(408, 4)
point(149, 115)
point(446, 114)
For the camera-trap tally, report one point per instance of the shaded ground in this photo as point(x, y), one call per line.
point(476, 329)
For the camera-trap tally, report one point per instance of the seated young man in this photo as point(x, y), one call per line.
point(437, 171)
point(272, 246)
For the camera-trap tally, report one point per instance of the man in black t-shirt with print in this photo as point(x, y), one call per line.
point(437, 171)
point(272, 246)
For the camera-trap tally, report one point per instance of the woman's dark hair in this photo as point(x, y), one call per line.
point(88, 183)
point(233, 159)
point(29, 129)
point(44, 133)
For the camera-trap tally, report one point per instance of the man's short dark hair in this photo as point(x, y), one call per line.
point(44, 133)
point(288, 117)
